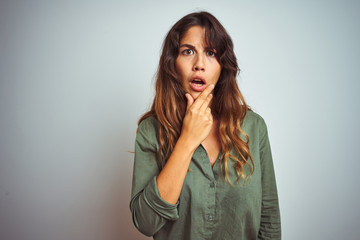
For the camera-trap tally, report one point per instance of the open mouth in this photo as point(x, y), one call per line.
point(198, 82)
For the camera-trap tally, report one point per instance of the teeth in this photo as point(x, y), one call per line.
point(197, 81)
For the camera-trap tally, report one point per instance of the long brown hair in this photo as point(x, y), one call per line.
point(228, 106)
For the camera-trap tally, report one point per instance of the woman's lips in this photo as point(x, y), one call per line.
point(197, 87)
point(198, 83)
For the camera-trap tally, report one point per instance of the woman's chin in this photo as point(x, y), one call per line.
point(195, 95)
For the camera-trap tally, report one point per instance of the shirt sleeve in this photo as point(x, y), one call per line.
point(149, 211)
point(270, 227)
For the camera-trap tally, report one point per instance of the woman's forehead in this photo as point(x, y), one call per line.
point(196, 36)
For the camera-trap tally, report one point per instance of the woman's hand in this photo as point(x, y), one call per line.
point(198, 119)
point(197, 125)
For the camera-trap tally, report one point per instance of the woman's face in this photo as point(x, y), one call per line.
point(196, 63)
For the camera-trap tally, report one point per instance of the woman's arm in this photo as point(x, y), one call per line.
point(270, 227)
point(149, 211)
point(155, 194)
point(197, 124)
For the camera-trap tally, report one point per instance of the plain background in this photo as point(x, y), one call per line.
point(77, 75)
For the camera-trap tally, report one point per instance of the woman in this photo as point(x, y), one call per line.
point(203, 166)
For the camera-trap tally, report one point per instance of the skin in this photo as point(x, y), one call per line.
point(196, 59)
point(198, 123)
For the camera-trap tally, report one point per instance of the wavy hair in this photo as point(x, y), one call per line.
point(228, 105)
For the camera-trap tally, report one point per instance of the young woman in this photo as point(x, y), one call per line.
point(203, 166)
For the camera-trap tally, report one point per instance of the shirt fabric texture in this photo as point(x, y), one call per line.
point(208, 206)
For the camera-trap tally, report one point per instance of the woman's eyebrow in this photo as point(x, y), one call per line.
point(193, 47)
point(187, 45)
point(210, 48)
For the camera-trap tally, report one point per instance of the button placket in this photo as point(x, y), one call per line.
point(211, 199)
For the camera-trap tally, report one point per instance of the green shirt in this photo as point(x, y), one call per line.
point(208, 206)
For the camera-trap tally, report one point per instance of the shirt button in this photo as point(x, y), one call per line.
point(210, 217)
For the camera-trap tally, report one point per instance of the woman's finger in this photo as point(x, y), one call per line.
point(202, 97)
point(206, 103)
point(210, 115)
point(190, 100)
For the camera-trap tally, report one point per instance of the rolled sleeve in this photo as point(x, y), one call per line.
point(160, 206)
point(149, 211)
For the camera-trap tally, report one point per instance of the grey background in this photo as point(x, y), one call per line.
point(75, 76)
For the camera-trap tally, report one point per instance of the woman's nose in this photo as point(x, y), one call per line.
point(199, 64)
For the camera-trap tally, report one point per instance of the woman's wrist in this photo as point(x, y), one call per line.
point(185, 144)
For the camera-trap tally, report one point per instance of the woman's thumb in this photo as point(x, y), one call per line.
point(190, 100)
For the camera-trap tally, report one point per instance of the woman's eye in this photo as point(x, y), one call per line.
point(188, 51)
point(211, 53)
